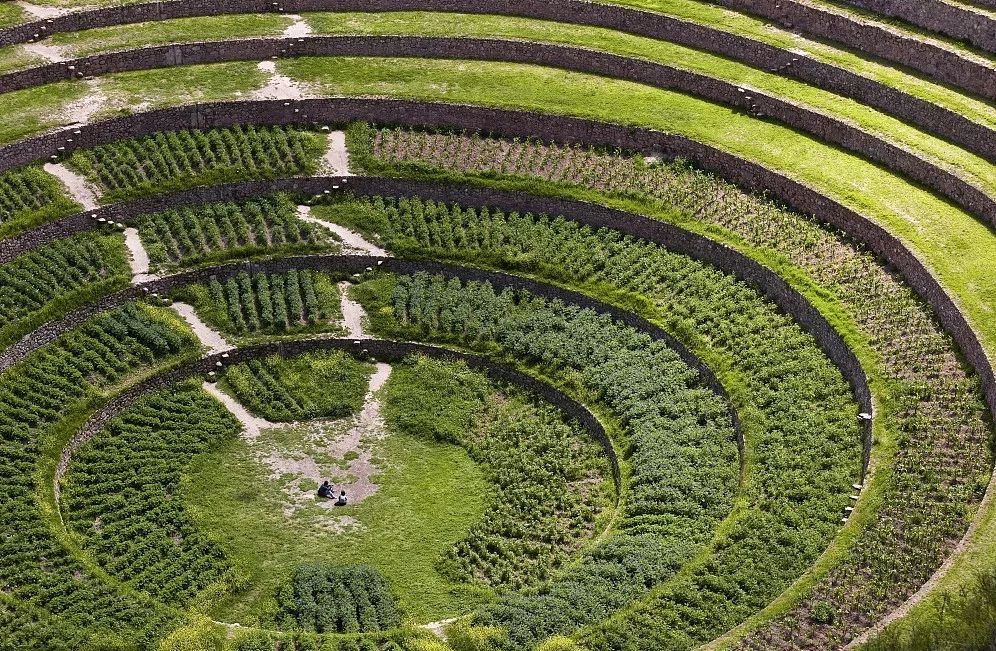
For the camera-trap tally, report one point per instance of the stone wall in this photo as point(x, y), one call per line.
point(383, 351)
point(824, 127)
point(925, 115)
point(942, 65)
point(951, 20)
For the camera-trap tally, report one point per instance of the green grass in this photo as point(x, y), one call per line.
point(936, 150)
point(210, 28)
point(145, 90)
point(17, 58)
point(11, 14)
point(764, 31)
point(29, 112)
point(231, 498)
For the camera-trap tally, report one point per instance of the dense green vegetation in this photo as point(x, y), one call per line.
point(29, 196)
point(123, 495)
point(39, 399)
point(269, 303)
point(174, 160)
point(931, 401)
point(337, 599)
point(38, 285)
point(548, 478)
point(218, 231)
point(328, 384)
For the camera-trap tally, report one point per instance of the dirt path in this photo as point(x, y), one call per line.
point(437, 628)
point(279, 86)
point(335, 162)
point(85, 108)
point(207, 336)
point(352, 314)
point(80, 189)
point(353, 242)
point(299, 27)
point(42, 11)
point(47, 51)
point(251, 425)
point(138, 257)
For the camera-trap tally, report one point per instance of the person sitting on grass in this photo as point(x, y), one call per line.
point(342, 499)
point(325, 490)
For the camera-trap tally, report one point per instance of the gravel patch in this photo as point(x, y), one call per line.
point(207, 336)
point(279, 86)
point(52, 53)
point(138, 257)
point(80, 189)
point(299, 27)
point(335, 162)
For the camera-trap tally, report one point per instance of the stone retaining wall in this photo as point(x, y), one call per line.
point(383, 351)
point(938, 16)
point(824, 127)
point(942, 65)
point(925, 115)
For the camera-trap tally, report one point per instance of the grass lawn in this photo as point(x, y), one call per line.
point(429, 496)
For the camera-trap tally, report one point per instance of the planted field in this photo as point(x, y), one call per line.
point(51, 279)
point(43, 400)
point(219, 231)
point(175, 160)
point(123, 496)
point(934, 402)
point(329, 385)
point(29, 196)
point(269, 303)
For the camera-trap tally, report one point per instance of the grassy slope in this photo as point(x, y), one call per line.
point(958, 248)
point(224, 27)
point(401, 542)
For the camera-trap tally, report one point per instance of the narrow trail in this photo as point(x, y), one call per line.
point(335, 162)
point(47, 51)
point(437, 628)
point(80, 189)
point(251, 425)
point(352, 314)
point(138, 257)
point(279, 86)
point(209, 337)
point(42, 11)
point(299, 27)
point(353, 242)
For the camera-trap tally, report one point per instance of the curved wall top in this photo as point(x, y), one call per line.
point(819, 125)
point(932, 60)
point(951, 20)
point(381, 350)
point(522, 124)
point(925, 115)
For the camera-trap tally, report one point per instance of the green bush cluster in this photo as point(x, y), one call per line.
point(680, 442)
point(228, 229)
point(269, 303)
point(32, 281)
point(175, 160)
point(38, 571)
point(327, 384)
point(123, 494)
point(548, 476)
point(337, 599)
point(30, 196)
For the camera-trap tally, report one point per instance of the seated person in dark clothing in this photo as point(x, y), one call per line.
point(342, 499)
point(325, 490)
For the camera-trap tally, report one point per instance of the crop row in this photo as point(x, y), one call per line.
point(680, 442)
point(546, 474)
point(190, 234)
point(801, 422)
point(35, 397)
point(174, 160)
point(270, 303)
point(943, 460)
point(122, 494)
point(337, 599)
point(317, 385)
point(32, 281)
point(29, 196)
